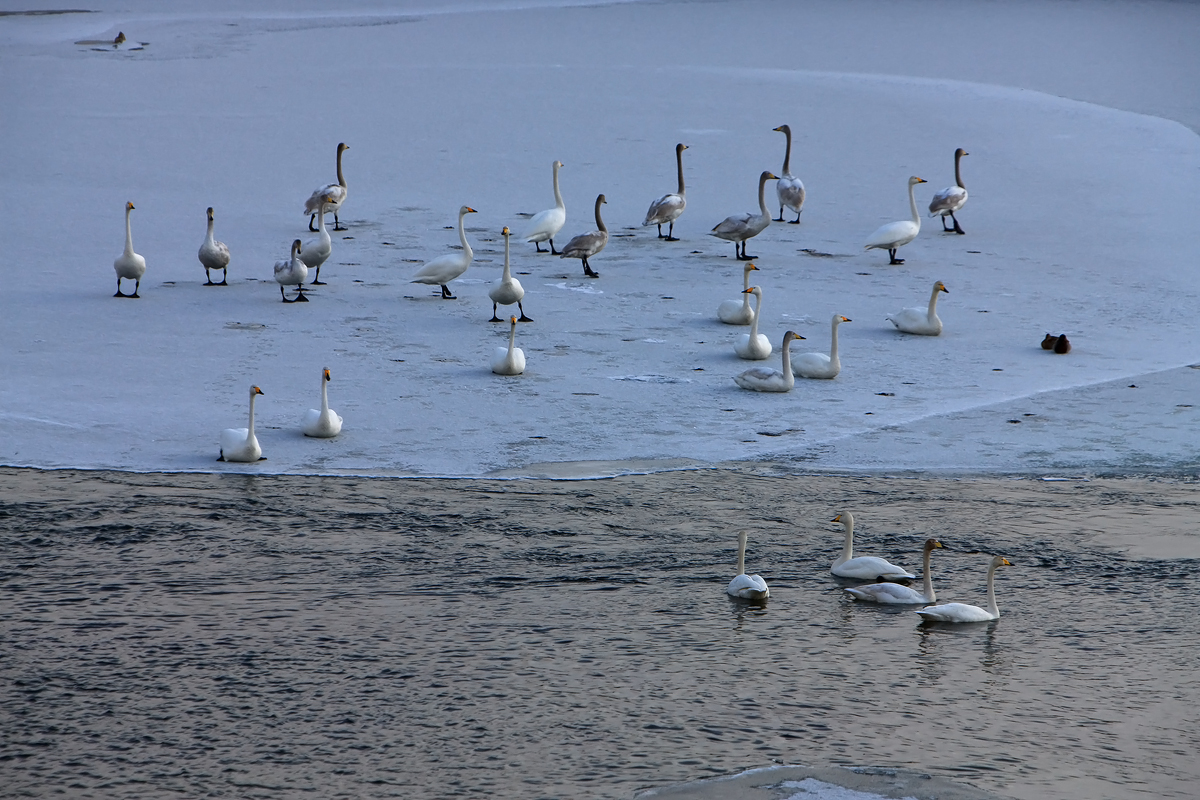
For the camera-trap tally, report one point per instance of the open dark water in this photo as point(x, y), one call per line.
point(278, 637)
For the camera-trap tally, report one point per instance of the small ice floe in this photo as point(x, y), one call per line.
point(584, 289)
point(649, 378)
point(655, 341)
point(813, 789)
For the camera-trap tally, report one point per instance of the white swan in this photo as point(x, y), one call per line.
point(952, 198)
point(962, 612)
point(894, 235)
point(292, 272)
point(740, 227)
point(214, 255)
point(330, 196)
point(753, 346)
point(790, 189)
point(819, 365)
point(129, 265)
point(863, 567)
point(667, 208)
point(894, 593)
point(509, 360)
point(240, 444)
point(508, 290)
point(920, 320)
point(442, 270)
point(317, 251)
point(739, 312)
point(765, 379)
point(588, 244)
point(546, 224)
point(747, 587)
point(325, 423)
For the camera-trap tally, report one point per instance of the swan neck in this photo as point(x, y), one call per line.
point(558, 201)
point(993, 609)
point(929, 595)
point(679, 167)
point(787, 155)
point(324, 394)
point(462, 236)
point(958, 172)
point(208, 239)
point(787, 358)
point(933, 302)
point(754, 322)
point(762, 198)
point(599, 222)
point(912, 204)
point(129, 233)
point(741, 567)
point(848, 546)
point(512, 338)
point(341, 179)
point(507, 276)
point(321, 220)
point(833, 344)
point(250, 426)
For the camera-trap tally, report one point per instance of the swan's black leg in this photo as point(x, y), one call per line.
point(208, 278)
point(796, 221)
point(957, 229)
point(587, 270)
point(284, 296)
point(523, 317)
point(671, 233)
point(119, 292)
point(316, 281)
point(944, 228)
point(553, 252)
point(137, 283)
point(780, 217)
point(337, 225)
point(892, 253)
point(743, 256)
point(660, 230)
point(494, 317)
point(311, 220)
point(538, 245)
point(446, 293)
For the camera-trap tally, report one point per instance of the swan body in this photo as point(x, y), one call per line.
point(292, 272)
point(819, 365)
point(240, 444)
point(922, 321)
point(668, 208)
point(546, 224)
point(330, 196)
point(866, 568)
point(753, 346)
point(952, 198)
point(214, 255)
point(963, 612)
point(508, 290)
point(325, 423)
point(894, 235)
point(739, 312)
point(317, 251)
point(588, 244)
point(129, 265)
point(764, 379)
point(789, 189)
point(509, 360)
point(740, 227)
point(746, 587)
point(894, 593)
point(442, 270)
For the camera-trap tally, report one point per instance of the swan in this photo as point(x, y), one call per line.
point(326, 423)
point(331, 195)
point(919, 320)
point(894, 593)
point(444, 269)
point(509, 290)
point(819, 365)
point(753, 346)
point(747, 587)
point(588, 244)
point(740, 227)
point(509, 360)
point(545, 224)
point(739, 312)
point(894, 235)
point(214, 255)
point(317, 251)
point(952, 198)
point(240, 444)
point(962, 612)
point(863, 567)
point(790, 189)
point(669, 207)
point(129, 265)
point(292, 272)
point(764, 379)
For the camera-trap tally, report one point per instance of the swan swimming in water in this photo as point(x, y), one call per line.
point(867, 568)
point(894, 593)
point(509, 360)
point(330, 196)
point(963, 612)
point(508, 290)
point(746, 587)
point(292, 272)
point(819, 365)
point(325, 423)
point(765, 379)
point(129, 265)
point(240, 444)
point(753, 346)
point(588, 244)
point(740, 227)
point(952, 198)
point(895, 235)
point(317, 251)
point(789, 189)
point(446, 268)
point(669, 207)
point(739, 312)
point(214, 255)
point(546, 224)
point(921, 321)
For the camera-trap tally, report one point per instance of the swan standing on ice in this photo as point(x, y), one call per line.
point(214, 255)
point(747, 587)
point(919, 320)
point(962, 612)
point(588, 244)
point(442, 270)
point(317, 251)
point(330, 196)
point(739, 312)
point(740, 227)
point(129, 265)
point(790, 189)
point(894, 593)
point(754, 346)
point(240, 444)
point(546, 224)
point(819, 365)
point(292, 272)
point(509, 290)
point(764, 379)
point(667, 208)
point(952, 198)
point(509, 360)
point(323, 424)
point(895, 235)
point(866, 568)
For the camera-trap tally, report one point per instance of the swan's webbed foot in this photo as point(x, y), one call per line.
point(446, 293)
point(746, 258)
point(553, 252)
point(311, 220)
point(957, 228)
point(670, 238)
point(522, 318)
point(317, 283)
point(337, 224)
point(796, 221)
point(587, 270)
point(538, 246)
point(494, 317)
point(660, 232)
point(671, 234)
point(300, 297)
point(222, 456)
point(892, 255)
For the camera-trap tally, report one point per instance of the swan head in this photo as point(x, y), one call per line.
point(789, 336)
point(679, 148)
point(255, 390)
point(930, 544)
point(749, 266)
point(784, 129)
point(838, 319)
point(914, 180)
point(326, 373)
point(1001, 561)
point(559, 165)
point(768, 176)
point(296, 248)
point(466, 210)
point(754, 290)
point(941, 287)
point(342, 146)
point(506, 232)
point(209, 213)
point(846, 518)
point(601, 199)
point(129, 206)
point(959, 153)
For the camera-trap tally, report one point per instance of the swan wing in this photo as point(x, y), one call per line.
point(735, 312)
point(585, 244)
point(894, 234)
point(870, 568)
point(955, 612)
point(748, 587)
point(732, 225)
point(790, 191)
point(665, 209)
point(887, 593)
point(812, 365)
point(442, 270)
point(952, 198)
point(545, 224)
point(333, 194)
